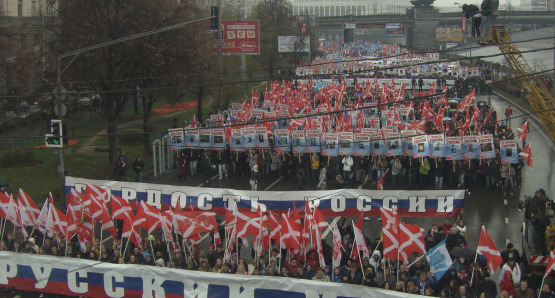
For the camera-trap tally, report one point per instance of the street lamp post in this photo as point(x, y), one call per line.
point(75, 54)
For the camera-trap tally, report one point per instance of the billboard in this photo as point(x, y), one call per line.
point(291, 44)
point(449, 34)
point(394, 29)
point(242, 38)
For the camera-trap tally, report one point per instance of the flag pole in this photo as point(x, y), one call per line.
point(416, 260)
point(473, 267)
point(3, 225)
point(100, 245)
point(360, 260)
point(128, 240)
point(279, 263)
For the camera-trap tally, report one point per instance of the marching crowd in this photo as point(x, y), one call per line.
point(463, 279)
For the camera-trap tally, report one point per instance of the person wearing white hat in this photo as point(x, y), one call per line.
point(254, 177)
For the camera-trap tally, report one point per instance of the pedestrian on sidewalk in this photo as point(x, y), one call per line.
point(138, 166)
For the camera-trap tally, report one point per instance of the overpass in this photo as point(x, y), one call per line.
point(419, 25)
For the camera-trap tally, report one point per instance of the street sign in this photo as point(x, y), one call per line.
point(60, 110)
point(63, 93)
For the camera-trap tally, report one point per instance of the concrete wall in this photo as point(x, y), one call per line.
point(421, 35)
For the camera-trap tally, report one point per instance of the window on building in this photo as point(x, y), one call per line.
point(20, 8)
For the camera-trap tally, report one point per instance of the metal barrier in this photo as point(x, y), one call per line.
point(162, 157)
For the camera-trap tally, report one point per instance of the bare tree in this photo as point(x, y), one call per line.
point(157, 63)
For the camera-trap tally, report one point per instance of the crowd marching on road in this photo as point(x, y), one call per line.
point(369, 264)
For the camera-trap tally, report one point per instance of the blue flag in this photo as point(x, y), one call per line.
point(439, 260)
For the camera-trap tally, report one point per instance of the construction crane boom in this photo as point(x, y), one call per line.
point(536, 92)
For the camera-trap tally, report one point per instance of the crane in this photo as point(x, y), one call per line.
point(537, 94)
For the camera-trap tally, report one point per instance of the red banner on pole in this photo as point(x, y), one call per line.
point(303, 28)
point(463, 24)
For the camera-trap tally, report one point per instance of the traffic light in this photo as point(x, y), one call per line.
point(55, 138)
point(214, 21)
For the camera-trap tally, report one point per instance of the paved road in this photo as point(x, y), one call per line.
point(499, 214)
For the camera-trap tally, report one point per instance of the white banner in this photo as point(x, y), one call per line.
point(342, 202)
point(86, 278)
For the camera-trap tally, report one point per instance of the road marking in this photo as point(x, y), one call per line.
point(506, 220)
point(505, 202)
point(200, 185)
point(274, 183)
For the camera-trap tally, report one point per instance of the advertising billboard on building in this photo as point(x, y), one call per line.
point(394, 29)
point(242, 38)
point(449, 34)
point(291, 44)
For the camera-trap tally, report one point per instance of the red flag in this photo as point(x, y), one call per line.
point(336, 256)
point(380, 182)
point(72, 220)
point(526, 154)
point(132, 233)
point(107, 223)
point(4, 203)
point(411, 239)
point(193, 122)
point(360, 243)
point(147, 217)
point(248, 223)
point(390, 230)
point(427, 111)
point(121, 209)
point(28, 209)
point(550, 264)
point(295, 215)
point(488, 249)
point(522, 131)
point(290, 233)
point(397, 121)
point(275, 227)
point(57, 221)
point(419, 126)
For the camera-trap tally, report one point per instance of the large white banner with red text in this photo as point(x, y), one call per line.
point(341, 202)
point(87, 278)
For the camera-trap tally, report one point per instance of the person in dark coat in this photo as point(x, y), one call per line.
point(472, 11)
point(181, 165)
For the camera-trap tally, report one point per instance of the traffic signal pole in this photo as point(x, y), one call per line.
point(75, 54)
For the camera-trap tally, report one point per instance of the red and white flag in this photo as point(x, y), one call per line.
point(72, 225)
point(290, 233)
point(411, 239)
point(360, 243)
point(336, 256)
point(390, 230)
point(550, 264)
point(275, 227)
point(522, 131)
point(419, 126)
point(56, 221)
point(488, 249)
point(147, 217)
point(380, 182)
point(526, 154)
point(107, 223)
point(28, 210)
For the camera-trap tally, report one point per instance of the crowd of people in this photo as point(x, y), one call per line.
point(463, 279)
